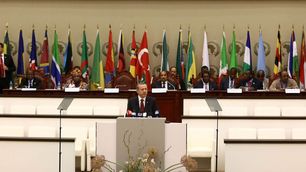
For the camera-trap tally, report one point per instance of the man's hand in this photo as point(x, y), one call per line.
point(5, 67)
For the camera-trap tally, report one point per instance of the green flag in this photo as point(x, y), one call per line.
point(84, 60)
point(190, 65)
point(233, 60)
point(164, 61)
point(223, 59)
point(97, 75)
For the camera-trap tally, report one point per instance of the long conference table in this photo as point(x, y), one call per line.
point(170, 103)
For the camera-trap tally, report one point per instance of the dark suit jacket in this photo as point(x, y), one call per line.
point(35, 84)
point(158, 84)
point(225, 83)
point(256, 84)
point(199, 84)
point(150, 106)
point(4, 82)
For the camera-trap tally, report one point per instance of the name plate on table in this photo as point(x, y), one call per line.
point(234, 90)
point(292, 91)
point(28, 89)
point(73, 90)
point(159, 90)
point(197, 90)
point(111, 90)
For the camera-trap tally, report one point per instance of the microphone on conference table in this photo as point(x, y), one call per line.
point(171, 84)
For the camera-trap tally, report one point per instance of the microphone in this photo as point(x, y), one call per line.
point(156, 113)
point(171, 85)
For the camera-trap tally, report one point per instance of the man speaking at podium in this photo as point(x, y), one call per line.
point(142, 105)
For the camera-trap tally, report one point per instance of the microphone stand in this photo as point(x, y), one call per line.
point(217, 142)
point(63, 106)
point(60, 142)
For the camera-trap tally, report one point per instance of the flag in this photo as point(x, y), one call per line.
point(233, 59)
point(303, 63)
point(205, 56)
point(143, 65)
point(133, 58)
point(33, 55)
point(97, 75)
point(44, 59)
point(56, 63)
point(223, 60)
point(6, 43)
point(247, 60)
point(180, 57)
point(164, 60)
point(84, 60)
point(293, 58)
point(261, 59)
point(20, 66)
point(109, 67)
point(121, 59)
point(278, 56)
point(190, 65)
point(68, 59)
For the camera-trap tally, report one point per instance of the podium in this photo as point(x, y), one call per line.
point(169, 139)
point(138, 135)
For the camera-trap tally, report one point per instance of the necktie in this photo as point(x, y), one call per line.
point(2, 72)
point(142, 108)
point(163, 84)
point(231, 83)
point(206, 87)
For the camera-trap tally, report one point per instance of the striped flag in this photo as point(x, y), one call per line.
point(109, 67)
point(190, 65)
point(180, 57)
point(247, 60)
point(164, 60)
point(6, 43)
point(278, 55)
point(97, 75)
point(293, 58)
point(205, 56)
point(33, 55)
point(68, 58)
point(44, 59)
point(261, 59)
point(133, 58)
point(56, 63)
point(84, 60)
point(20, 65)
point(303, 62)
point(121, 59)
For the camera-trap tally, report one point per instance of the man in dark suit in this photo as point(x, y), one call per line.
point(163, 82)
point(179, 82)
point(30, 81)
point(230, 81)
point(205, 82)
point(7, 67)
point(142, 105)
point(250, 82)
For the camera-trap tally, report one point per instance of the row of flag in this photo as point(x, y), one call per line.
point(139, 59)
